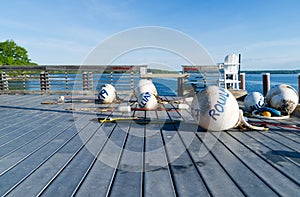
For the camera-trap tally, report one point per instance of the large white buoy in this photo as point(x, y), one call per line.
point(254, 101)
point(147, 100)
point(231, 59)
point(145, 85)
point(283, 98)
point(215, 109)
point(107, 94)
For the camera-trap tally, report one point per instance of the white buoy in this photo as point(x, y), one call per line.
point(147, 100)
point(215, 109)
point(254, 101)
point(61, 99)
point(107, 94)
point(231, 59)
point(145, 85)
point(283, 98)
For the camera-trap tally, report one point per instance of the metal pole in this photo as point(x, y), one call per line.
point(266, 83)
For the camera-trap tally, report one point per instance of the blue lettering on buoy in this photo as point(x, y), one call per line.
point(258, 105)
point(102, 92)
point(145, 98)
point(219, 106)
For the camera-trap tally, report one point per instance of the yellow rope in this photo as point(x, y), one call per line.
point(139, 120)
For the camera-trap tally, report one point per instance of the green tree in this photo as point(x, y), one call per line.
point(12, 54)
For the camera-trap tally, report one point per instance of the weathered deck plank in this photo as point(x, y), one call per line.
point(48, 150)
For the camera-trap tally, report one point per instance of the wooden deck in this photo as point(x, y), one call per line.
point(50, 151)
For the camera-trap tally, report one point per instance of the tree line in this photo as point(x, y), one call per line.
point(12, 54)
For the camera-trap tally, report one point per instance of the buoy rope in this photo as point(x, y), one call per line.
point(136, 119)
point(276, 125)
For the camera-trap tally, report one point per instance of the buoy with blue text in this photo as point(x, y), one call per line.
point(283, 98)
point(216, 109)
point(107, 94)
point(147, 100)
point(145, 85)
point(254, 101)
point(146, 94)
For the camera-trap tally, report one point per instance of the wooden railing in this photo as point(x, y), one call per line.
point(66, 79)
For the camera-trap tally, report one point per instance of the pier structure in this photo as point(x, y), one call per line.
point(80, 147)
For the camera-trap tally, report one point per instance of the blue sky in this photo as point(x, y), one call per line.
point(265, 32)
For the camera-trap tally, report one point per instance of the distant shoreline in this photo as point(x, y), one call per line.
point(271, 71)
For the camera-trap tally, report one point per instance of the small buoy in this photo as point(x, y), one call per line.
point(183, 106)
point(266, 114)
point(61, 99)
point(145, 85)
point(147, 100)
point(254, 101)
point(215, 109)
point(124, 108)
point(283, 98)
point(107, 94)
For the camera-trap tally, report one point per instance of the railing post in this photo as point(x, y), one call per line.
point(204, 79)
point(47, 80)
point(5, 80)
point(91, 80)
point(299, 86)
point(266, 83)
point(85, 82)
point(43, 81)
point(67, 80)
point(24, 80)
point(1, 82)
point(132, 81)
point(243, 81)
point(111, 77)
point(180, 86)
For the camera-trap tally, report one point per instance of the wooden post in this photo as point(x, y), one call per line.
point(111, 77)
point(47, 80)
point(243, 81)
point(91, 80)
point(85, 82)
point(299, 86)
point(67, 80)
point(24, 80)
point(1, 81)
point(43, 81)
point(204, 79)
point(266, 83)
point(132, 81)
point(5, 80)
point(180, 86)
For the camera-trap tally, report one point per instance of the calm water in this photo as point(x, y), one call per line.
point(169, 86)
point(254, 81)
